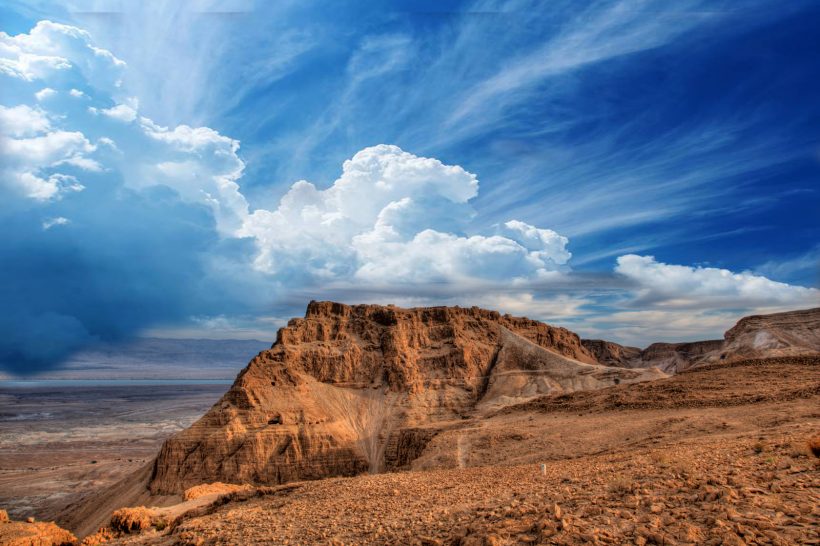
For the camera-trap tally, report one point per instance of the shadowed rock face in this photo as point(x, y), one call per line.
point(676, 357)
point(612, 354)
point(794, 333)
point(351, 389)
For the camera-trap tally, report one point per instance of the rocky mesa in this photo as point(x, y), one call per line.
point(350, 389)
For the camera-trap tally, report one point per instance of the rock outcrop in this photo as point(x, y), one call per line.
point(794, 333)
point(351, 389)
point(33, 533)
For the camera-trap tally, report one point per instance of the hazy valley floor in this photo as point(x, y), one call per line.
point(57, 443)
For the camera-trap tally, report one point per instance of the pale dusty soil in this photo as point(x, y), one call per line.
point(715, 456)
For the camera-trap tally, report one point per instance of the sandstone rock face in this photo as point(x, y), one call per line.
point(795, 333)
point(351, 389)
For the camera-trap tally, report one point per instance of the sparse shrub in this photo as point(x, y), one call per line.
point(621, 486)
point(161, 524)
point(128, 520)
point(102, 536)
point(681, 468)
point(210, 488)
point(662, 459)
point(758, 447)
point(673, 465)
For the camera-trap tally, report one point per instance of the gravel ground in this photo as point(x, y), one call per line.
point(741, 492)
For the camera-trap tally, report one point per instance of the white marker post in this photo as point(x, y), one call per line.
point(543, 469)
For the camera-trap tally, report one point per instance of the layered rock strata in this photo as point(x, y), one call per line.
point(353, 389)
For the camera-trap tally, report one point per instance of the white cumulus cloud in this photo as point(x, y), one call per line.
point(23, 120)
point(396, 217)
point(120, 112)
point(36, 146)
point(52, 47)
point(199, 163)
point(43, 188)
point(683, 286)
point(44, 93)
point(26, 162)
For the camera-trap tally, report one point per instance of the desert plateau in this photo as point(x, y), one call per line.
point(372, 424)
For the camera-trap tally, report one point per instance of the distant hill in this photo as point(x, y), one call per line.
point(793, 333)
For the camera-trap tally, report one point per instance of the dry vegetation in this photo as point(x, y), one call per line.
point(129, 520)
point(212, 488)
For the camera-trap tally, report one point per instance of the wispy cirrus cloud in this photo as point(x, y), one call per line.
point(597, 33)
point(206, 38)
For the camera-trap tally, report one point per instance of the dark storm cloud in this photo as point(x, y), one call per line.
point(130, 261)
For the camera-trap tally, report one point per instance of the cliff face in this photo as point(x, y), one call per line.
point(794, 333)
point(349, 389)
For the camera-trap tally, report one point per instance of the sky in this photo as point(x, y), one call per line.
point(633, 170)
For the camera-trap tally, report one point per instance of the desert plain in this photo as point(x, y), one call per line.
point(59, 442)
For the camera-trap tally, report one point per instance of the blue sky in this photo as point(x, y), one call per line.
point(638, 171)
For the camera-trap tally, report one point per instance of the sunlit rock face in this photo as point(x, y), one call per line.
point(352, 389)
